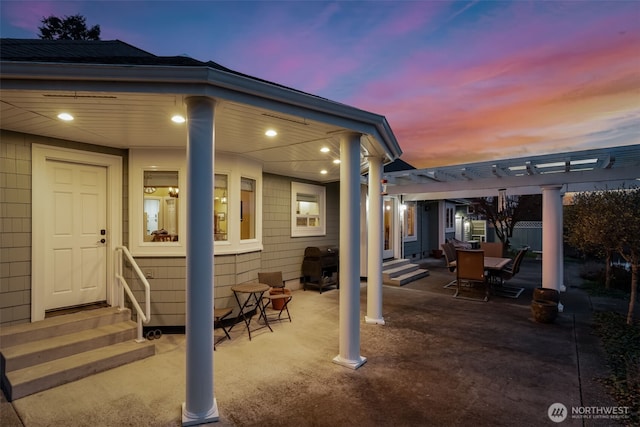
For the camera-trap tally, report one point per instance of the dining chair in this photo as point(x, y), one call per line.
point(449, 255)
point(470, 272)
point(278, 296)
point(219, 315)
point(450, 260)
point(511, 269)
point(508, 273)
point(493, 249)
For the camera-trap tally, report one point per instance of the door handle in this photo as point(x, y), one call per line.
point(103, 240)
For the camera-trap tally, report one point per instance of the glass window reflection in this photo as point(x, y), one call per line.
point(220, 208)
point(160, 206)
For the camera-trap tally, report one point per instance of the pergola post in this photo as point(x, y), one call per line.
point(552, 254)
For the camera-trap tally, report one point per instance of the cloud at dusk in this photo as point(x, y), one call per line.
point(457, 81)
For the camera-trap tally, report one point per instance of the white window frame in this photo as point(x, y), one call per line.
point(223, 215)
point(449, 217)
point(237, 168)
point(175, 159)
point(413, 207)
point(141, 160)
point(321, 193)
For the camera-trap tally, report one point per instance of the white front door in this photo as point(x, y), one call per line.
point(75, 234)
point(388, 226)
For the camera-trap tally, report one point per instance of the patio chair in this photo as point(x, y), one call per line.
point(449, 255)
point(511, 269)
point(450, 258)
point(278, 296)
point(508, 273)
point(470, 272)
point(493, 249)
point(219, 314)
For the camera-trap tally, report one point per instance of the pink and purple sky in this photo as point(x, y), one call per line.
point(458, 81)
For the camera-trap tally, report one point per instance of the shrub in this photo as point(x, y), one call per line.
point(621, 343)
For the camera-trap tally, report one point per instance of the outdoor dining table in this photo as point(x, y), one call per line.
point(492, 263)
point(255, 292)
point(495, 263)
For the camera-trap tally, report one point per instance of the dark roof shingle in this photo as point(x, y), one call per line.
point(112, 52)
point(76, 49)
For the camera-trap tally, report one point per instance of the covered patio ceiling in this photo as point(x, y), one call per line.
point(586, 170)
point(143, 120)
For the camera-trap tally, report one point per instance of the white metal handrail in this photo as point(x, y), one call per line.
point(143, 316)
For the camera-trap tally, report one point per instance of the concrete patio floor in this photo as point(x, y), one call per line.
point(438, 361)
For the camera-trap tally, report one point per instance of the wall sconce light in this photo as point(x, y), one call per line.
point(174, 192)
point(149, 190)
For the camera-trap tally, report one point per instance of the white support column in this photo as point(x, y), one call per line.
point(200, 406)
point(552, 254)
point(374, 248)
point(442, 222)
point(349, 334)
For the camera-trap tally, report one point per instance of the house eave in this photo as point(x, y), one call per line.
point(198, 80)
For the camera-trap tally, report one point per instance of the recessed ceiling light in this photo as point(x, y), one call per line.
point(323, 171)
point(65, 116)
point(271, 133)
point(178, 119)
point(325, 149)
point(336, 161)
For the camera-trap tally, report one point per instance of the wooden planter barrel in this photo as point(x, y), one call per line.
point(544, 311)
point(546, 294)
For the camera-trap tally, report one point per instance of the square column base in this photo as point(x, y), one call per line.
point(348, 363)
point(211, 417)
point(374, 320)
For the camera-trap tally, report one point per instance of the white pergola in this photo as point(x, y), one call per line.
point(576, 171)
point(552, 175)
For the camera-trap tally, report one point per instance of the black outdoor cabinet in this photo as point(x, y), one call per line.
point(320, 267)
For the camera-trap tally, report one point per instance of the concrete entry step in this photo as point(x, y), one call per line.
point(408, 278)
point(41, 355)
point(33, 379)
point(398, 272)
point(61, 325)
point(394, 263)
point(41, 351)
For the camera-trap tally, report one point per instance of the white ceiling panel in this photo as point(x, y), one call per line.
point(125, 120)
